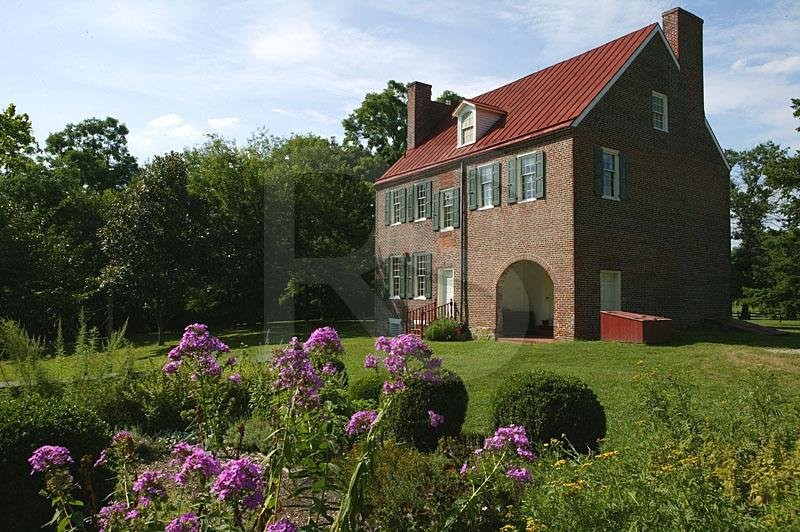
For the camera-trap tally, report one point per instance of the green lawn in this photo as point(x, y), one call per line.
point(714, 361)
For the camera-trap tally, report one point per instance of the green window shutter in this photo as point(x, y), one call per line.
point(456, 207)
point(496, 184)
point(624, 176)
point(429, 279)
point(437, 207)
point(472, 188)
point(402, 193)
point(512, 181)
point(402, 259)
point(598, 170)
point(387, 213)
point(387, 276)
point(428, 199)
point(411, 203)
point(411, 274)
point(539, 184)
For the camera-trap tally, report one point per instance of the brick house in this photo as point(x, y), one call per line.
point(592, 184)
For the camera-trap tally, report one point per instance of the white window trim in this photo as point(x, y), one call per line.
point(417, 276)
point(441, 211)
point(467, 109)
point(665, 129)
point(615, 153)
point(529, 200)
point(392, 259)
point(420, 219)
point(520, 179)
point(395, 223)
point(479, 192)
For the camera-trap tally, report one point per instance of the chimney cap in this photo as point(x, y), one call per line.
point(682, 11)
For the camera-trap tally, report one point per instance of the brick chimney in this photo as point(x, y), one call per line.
point(423, 114)
point(684, 32)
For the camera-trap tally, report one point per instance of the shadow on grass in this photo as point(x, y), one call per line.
point(714, 335)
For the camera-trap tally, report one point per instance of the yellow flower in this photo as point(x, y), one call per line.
point(641, 422)
point(559, 463)
point(607, 454)
point(640, 362)
point(532, 526)
point(508, 528)
point(577, 486)
point(586, 464)
point(667, 467)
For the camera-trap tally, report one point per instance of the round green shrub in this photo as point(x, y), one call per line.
point(408, 415)
point(446, 330)
point(549, 406)
point(367, 388)
point(26, 424)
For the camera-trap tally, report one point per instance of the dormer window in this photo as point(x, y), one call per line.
point(466, 127)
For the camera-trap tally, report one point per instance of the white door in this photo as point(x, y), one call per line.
point(610, 290)
point(446, 286)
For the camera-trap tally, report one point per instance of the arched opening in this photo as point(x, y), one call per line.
point(525, 302)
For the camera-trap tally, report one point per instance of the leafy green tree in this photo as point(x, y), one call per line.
point(150, 241)
point(780, 293)
point(97, 150)
point(17, 145)
point(450, 97)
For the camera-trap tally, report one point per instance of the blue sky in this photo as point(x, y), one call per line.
point(174, 71)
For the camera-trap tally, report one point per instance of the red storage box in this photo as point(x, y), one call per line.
point(618, 326)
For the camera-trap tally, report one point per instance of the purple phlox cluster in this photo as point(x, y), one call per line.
point(149, 485)
point(296, 372)
point(324, 339)
point(240, 479)
point(187, 522)
point(513, 436)
point(235, 378)
point(122, 436)
point(196, 462)
point(397, 385)
point(406, 356)
point(435, 419)
point(371, 361)
point(520, 474)
point(197, 343)
point(116, 511)
point(360, 422)
point(465, 468)
point(230, 362)
point(48, 455)
point(130, 515)
point(102, 459)
point(284, 525)
point(329, 369)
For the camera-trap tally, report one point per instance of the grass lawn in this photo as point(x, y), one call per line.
point(715, 362)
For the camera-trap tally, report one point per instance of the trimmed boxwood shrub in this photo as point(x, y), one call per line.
point(446, 330)
point(408, 415)
point(367, 388)
point(26, 424)
point(549, 405)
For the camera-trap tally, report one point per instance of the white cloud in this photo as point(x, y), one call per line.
point(295, 42)
point(166, 121)
point(219, 124)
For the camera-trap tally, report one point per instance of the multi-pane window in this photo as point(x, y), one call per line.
point(610, 174)
point(422, 274)
point(659, 105)
point(396, 265)
point(422, 199)
point(398, 206)
point(529, 174)
point(447, 208)
point(467, 127)
point(486, 184)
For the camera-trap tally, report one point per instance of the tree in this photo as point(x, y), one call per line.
point(97, 150)
point(17, 145)
point(380, 122)
point(150, 241)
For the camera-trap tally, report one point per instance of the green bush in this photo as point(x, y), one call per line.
point(446, 330)
point(367, 388)
point(408, 415)
point(551, 406)
point(26, 424)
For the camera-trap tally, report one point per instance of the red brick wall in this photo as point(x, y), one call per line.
point(671, 238)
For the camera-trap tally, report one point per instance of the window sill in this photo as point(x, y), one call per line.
point(529, 200)
point(395, 224)
point(420, 220)
point(613, 198)
point(446, 229)
point(420, 298)
point(661, 130)
point(395, 297)
point(486, 207)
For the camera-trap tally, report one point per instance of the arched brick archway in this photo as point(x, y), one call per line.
point(525, 300)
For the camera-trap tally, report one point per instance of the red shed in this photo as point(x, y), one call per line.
point(619, 326)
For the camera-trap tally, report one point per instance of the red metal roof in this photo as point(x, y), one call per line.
point(539, 103)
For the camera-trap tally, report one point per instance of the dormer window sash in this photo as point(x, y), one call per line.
point(466, 127)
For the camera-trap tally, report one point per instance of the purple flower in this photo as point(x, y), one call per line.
point(360, 422)
point(149, 485)
point(391, 387)
point(107, 515)
point(122, 436)
point(284, 525)
point(235, 378)
point(240, 480)
point(435, 419)
point(48, 455)
point(197, 343)
point(465, 468)
point(102, 459)
point(324, 339)
point(520, 474)
point(296, 372)
point(172, 366)
point(329, 369)
point(197, 463)
point(132, 514)
point(188, 522)
point(371, 361)
point(231, 361)
point(208, 365)
point(513, 436)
